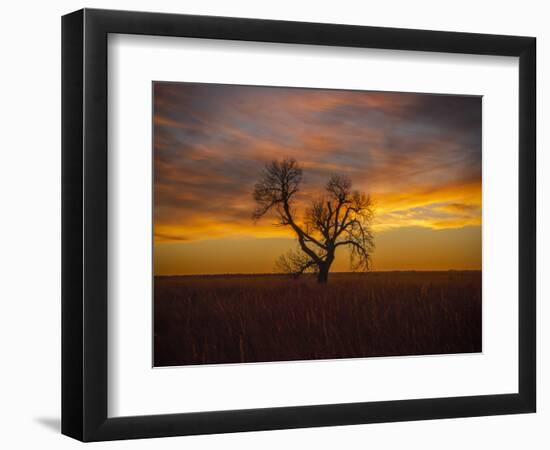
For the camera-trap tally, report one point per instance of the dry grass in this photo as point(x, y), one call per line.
point(231, 319)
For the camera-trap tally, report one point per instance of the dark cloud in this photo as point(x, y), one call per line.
point(211, 141)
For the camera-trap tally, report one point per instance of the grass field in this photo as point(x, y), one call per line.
point(253, 318)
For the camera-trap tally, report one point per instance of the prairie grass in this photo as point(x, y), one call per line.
point(253, 318)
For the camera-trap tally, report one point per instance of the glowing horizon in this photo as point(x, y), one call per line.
point(418, 155)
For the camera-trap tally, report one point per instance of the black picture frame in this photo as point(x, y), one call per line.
point(84, 224)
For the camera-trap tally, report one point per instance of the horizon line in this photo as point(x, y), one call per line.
point(312, 274)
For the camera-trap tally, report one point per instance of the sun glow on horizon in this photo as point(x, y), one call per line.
point(417, 155)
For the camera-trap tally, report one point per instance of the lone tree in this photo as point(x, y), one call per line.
point(341, 217)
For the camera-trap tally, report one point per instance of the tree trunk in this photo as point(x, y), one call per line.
point(322, 276)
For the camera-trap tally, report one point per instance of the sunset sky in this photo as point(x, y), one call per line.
point(418, 155)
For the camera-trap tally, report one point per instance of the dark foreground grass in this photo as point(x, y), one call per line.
point(232, 319)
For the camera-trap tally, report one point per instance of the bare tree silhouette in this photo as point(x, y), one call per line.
point(341, 217)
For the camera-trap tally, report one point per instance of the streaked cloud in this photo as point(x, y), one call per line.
point(418, 155)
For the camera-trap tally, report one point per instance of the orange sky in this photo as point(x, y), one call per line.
point(418, 155)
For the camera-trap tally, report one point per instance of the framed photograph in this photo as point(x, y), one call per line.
point(273, 224)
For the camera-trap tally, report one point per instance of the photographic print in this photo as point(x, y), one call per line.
point(307, 224)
